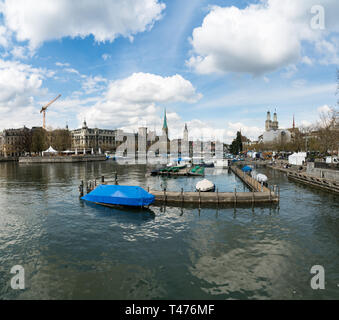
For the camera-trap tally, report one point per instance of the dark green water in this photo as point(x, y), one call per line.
point(73, 250)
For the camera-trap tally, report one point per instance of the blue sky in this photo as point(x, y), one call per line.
point(215, 67)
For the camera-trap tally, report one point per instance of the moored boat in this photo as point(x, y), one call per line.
point(205, 186)
point(132, 196)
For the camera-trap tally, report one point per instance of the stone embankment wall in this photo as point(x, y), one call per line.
point(323, 173)
point(62, 159)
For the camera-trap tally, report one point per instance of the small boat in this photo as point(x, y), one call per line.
point(205, 186)
point(109, 195)
point(247, 169)
point(261, 178)
point(208, 164)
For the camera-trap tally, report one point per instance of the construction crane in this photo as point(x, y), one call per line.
point(44, 109)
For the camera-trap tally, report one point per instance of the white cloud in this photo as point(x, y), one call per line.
point(290, 71)
point(149, 88)
point(60, 64)
point(43, 20)
point(324, 109)
point(19, 84)
point(306, 60)
point(106, 56)
point(94, 84)
point(258, 39)
point(329, 51)
point(134, 100)
point(19, 52)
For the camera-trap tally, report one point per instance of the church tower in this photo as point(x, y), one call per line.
point(268, 123)
point(165, 127)
point(186, 133)
point(275, 123)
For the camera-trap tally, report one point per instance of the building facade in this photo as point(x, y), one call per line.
point(272, 132)
point(88, 138)
point(15, 142)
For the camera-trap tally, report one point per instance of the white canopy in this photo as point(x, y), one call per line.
point(297, 158)
point(50, 150)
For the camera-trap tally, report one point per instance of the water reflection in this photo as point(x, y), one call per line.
point(82, 250)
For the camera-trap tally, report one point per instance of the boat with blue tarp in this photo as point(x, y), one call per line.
point(116, 195)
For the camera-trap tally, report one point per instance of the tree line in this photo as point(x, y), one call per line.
point(38, 140)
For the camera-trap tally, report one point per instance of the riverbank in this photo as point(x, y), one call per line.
point(304, 177)
point(8, 159)
point(62, 159)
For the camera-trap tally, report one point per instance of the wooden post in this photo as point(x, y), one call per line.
point(115, 178)
point(102, 179)
point(199, 198)
point(279, 193)
point(148, 189)
point(218, 196)
point(81, 188)
point(182, 194)
point(270, 195)
point(165, 195)
point(252, 196)
point(235, 195)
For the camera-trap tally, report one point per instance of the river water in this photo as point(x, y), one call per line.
point(73, 250)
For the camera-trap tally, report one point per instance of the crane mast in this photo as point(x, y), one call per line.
point(44, 109)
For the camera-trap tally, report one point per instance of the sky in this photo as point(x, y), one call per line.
point(217, 65)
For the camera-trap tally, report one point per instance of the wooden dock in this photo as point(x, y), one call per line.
point(253, 184)
point(259, 195)
point(213, 198)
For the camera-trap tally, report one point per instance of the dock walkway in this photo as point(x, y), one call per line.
point(215, 198)
point(253, 184)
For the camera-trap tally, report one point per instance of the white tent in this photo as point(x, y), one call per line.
point(297, 159)
point(49, 151)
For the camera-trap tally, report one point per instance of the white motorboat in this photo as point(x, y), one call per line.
point(205, 186)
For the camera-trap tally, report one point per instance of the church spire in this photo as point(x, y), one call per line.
point(165, 127)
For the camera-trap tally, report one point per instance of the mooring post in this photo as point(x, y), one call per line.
point(182, 194)
point(95, 183)
point(252, 196)
point(148, 189)
point(218, 196)
point(81, 188)
point(235, 195)
point(199, 198)
point(270, 194)
point(102, 179)
point(165, 195)
point(279, 193)
point(115, 178)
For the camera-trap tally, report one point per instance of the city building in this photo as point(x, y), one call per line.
point(88, 138)
point(14, 142)
point(272, 132)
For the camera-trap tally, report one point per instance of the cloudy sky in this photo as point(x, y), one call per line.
point(218, 65)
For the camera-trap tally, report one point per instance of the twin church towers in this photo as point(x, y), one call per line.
point(271, 125)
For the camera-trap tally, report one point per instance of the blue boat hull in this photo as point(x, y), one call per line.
point(120, 195)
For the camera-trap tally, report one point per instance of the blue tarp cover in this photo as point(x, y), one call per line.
point(246, 169)
point(120, 195)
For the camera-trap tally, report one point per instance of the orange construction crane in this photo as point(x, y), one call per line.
point(44, 109)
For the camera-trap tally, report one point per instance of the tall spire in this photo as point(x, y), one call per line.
point(165, 121)
point(165, 127)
